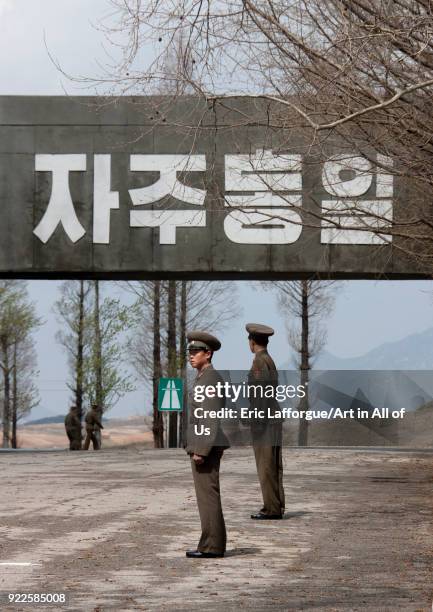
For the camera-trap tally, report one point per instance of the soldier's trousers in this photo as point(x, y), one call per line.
point(92, 436)
point(74, 440)
point(269, 464)
point(207, 489)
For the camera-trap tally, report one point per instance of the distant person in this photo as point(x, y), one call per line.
point(73, 428)
point(266, 435)
point(205, 455)
point(93, 427)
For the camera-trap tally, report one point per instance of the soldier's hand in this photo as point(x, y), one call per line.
point(198, 459)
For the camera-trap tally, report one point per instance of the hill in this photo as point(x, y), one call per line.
point(414, 352)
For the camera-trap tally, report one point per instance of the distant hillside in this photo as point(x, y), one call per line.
point(414, 352)
point(47, 420)
point(59, 418)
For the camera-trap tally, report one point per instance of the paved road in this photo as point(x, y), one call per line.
point(111, 528)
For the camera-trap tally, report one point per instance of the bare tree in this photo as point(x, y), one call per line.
point(18, 321)
point(92, 335)
point(307, 304)
point(356, 75)
point(97, 346)
point(73, 310)
point(106, 378)
point(202, 304)
point(25, 394)
point(330, 62)
point(172, 353)
point(158, 424)
point(182, 354)
point(147, 363)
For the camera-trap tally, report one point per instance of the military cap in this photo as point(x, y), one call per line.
point(203, 340)
point(257, 329)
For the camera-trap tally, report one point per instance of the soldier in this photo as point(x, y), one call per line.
point(93, 427)
point(267, 436)
point(205, 454)
point(73, 428)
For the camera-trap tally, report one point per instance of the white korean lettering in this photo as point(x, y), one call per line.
point(263, 226)
point(336, 184)
point(167, 221)
point(263, 171)
point(60, 207)
point(168, 184)
point(384, 178)
point(368, 216)
point(263, 216)
point(104, 200)
point(350, 177)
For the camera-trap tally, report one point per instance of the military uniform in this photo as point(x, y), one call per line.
point(93, 428)
point(206, 475)
point(73, 428)
point(266, 435)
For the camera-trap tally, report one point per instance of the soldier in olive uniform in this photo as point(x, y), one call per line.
point(205, 454)
point(267, 436)
point(73, 428)
point(93, 427)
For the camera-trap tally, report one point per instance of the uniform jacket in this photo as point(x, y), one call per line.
point(263, 374)
point(92, 421)
point(72, 422)
point(202, 445)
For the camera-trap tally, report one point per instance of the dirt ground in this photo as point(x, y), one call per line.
point(111, 528)
point(116, 432)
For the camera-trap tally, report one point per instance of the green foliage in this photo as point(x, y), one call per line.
point(74, 334)
point(18, 321)
point(115, 319)
point(17, 314)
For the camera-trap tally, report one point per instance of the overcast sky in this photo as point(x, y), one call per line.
point(367, 313)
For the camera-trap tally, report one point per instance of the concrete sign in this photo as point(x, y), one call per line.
point(139, 188)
